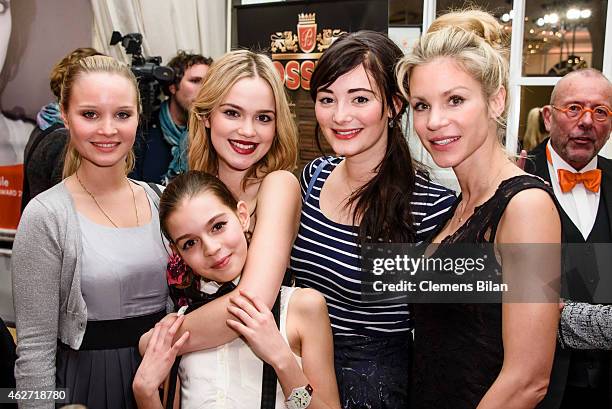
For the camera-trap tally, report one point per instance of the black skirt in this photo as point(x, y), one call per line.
point(99, 375)
point(373, 372)
point(98, 379)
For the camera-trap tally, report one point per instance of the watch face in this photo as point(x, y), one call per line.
point(303, 397)
point(300, 398)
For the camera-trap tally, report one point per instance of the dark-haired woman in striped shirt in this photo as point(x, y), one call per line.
point(370, 191)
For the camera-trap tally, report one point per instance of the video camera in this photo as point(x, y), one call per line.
point(148, 71)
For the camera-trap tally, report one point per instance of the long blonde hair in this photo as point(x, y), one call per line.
point(221, 77)
point(476, 41)
point(535, 131)
point(89, 65)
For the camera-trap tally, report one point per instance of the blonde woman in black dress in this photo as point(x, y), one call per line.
point(479, 355)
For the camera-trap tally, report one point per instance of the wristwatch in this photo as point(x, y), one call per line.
point(299, 397)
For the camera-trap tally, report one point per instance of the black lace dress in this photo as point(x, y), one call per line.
point(458, 347)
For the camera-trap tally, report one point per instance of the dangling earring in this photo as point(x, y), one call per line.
point(391, 122)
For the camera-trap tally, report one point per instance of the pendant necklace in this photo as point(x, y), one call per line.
point(100, 207)
point(464, 203)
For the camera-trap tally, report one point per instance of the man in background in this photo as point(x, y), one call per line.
point(579, 121)
point(161, 147)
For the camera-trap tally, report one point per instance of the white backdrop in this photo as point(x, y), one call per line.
point(197, 26)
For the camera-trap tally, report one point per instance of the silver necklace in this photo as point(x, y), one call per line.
point(100, 207)
point(461, 213)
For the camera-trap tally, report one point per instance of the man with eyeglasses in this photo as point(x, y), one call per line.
point(579, 121)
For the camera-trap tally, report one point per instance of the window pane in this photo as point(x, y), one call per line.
point(563, 35)
point(532, 97)
point(405, 13)
point(498, 8)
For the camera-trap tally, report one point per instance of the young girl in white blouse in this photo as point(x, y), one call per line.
point(207, 228)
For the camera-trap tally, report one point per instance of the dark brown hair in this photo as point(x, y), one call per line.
point(181, 63)
point(187, 186)
point(384, 202)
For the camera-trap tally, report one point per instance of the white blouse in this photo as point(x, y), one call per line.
point(229, 376)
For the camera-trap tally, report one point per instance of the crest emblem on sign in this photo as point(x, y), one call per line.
point(284, 44)
point(294, 56)
point(307, 32)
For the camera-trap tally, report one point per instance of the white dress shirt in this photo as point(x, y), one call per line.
point(229, 376)
point(580, 204)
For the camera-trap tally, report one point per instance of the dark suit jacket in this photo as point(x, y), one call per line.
point(43, 161)
point(537, 164)
point(7, 361)
point(153, 153)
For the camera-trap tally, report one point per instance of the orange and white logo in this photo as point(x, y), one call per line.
point(284, 44)
point(307, 32)
point(294, 56)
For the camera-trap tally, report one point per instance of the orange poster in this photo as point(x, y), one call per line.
point(11, 182)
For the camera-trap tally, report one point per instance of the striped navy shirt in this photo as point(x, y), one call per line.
point(326, 256)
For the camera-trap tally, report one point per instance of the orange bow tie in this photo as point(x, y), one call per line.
point(591, 180)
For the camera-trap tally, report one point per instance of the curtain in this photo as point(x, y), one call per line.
point(197, 26)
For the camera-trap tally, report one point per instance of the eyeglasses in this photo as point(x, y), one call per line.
point(600, 113)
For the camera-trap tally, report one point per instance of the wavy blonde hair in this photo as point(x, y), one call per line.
point(535, 132)
point(90, 65)
point(220, 78)
point(476, 41)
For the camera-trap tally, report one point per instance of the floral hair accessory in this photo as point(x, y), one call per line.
point(178, 273)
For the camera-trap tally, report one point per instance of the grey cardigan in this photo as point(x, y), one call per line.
point(46, 273)
point(586, 326)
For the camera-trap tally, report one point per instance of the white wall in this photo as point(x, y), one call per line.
point(43, 32)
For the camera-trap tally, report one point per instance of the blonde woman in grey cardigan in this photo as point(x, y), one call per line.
point(88, 261)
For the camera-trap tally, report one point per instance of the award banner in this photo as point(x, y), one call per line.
point(11, 182)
